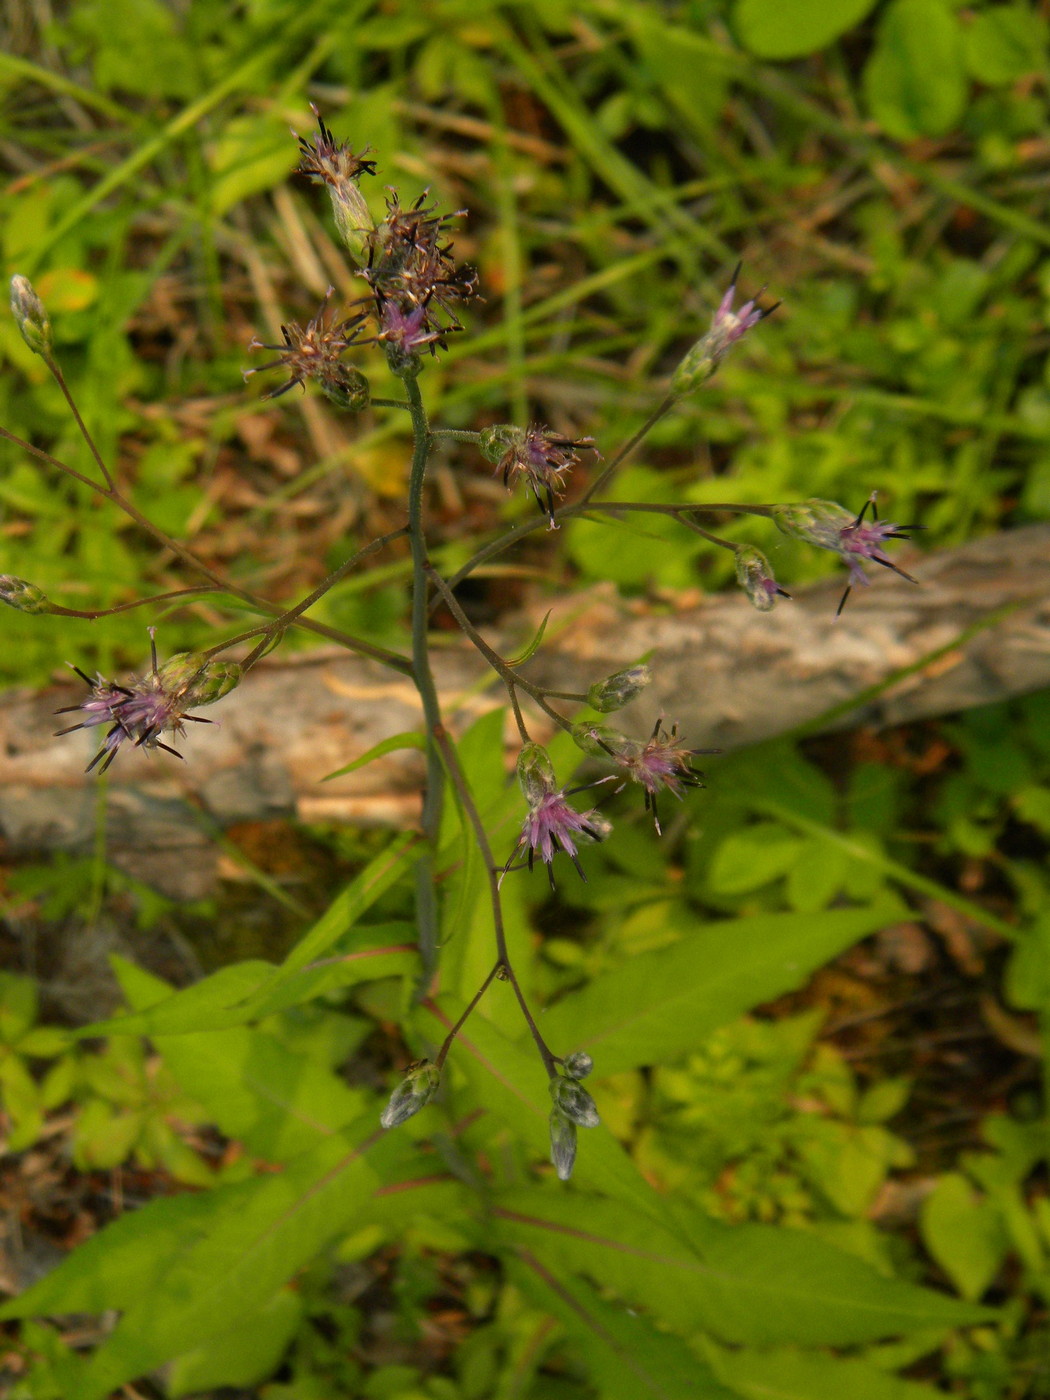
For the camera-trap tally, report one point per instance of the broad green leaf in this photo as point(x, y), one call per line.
point(1005, 43)
point(914, 81)
point(339, 918)
point(794, 1375)
point(204, 1005)
point(628, 1358)
point(660, 1004)
point(792, 28)
point(254, 1088)
point(238, 1267)
point(120, 1264)
point(752, 856)
point(964, 1234)
point(244, 1355)
point(411, 739)
point(752, 1284)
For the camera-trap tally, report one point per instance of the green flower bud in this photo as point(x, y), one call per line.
point(30, 316)
point(572, 1099)
point(578, 1065)
point(346, 387)
point(563, 1144)
point(214, 680)
point(353, 219)
point(536, 773)
point(618, 689)
point(817, 522)
point(413, 1093)
point(496, 441)
point(600, 741)
point(22, 596)
point(755, 577)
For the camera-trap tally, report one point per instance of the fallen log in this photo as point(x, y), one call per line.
point(977, 630)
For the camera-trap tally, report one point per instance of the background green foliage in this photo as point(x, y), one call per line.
point(883, 168)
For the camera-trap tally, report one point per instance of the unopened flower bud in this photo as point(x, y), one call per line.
point(413, 1093)
point(572, 1099)
point(816, 522)
point(563, 1144)
point(536, 773)
point(31, 316)
point(755, 577)
point(345, 386)
point(22, 596)
point(495, 441)
point(619, 689)
point(578, 1065)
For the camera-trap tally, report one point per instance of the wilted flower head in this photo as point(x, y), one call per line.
point(552, 824)
point(314, 353)
point(727, 328)
point(540, 457)
point(150, 705)
point(831, 526)
point(332, 163)
point(413, 1093)
point(415, 280)
point(661, 763)
point(755, 577)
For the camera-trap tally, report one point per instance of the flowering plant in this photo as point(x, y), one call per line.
point(416, 296)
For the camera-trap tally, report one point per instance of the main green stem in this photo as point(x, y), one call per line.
point(434, 792)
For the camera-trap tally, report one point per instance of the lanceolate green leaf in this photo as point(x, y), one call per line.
point(751, 1284)
point(410, 740)
point(629, 1358)
point(660, 1004)
point(788, 1374)
point(242, 1261)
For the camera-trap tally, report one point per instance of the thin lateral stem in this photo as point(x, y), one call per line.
point(528, 527)
point(446, 1044)
point(390, 403)
point(423, 676)
point(506, 672)
point(93, 614)
point(660, 411)
point(392, 659)
point(466, 797)
point(280, 624)
point(523, 733)
point(60, 380)
point(456, 434)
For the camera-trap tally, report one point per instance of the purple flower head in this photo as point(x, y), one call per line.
point(661, 763)
point(727, 327)
point(539, 457)
point(141, 711)
point(553, 825)
point(831, 526)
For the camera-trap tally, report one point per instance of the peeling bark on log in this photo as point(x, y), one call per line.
point(726, 674)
